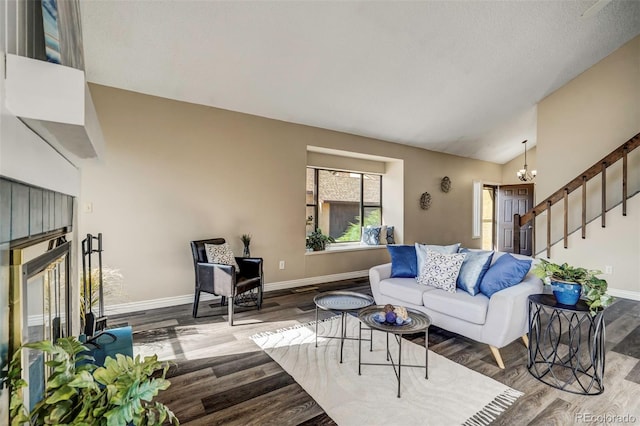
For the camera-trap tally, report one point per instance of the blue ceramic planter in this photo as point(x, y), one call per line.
point(566, 293)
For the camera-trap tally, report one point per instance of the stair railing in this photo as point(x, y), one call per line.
point(599, 168)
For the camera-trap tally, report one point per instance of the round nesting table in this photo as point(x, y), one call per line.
point(420, 322)
point(566, 345)
point(344, 302)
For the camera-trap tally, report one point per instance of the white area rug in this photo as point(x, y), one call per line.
point(452, 395)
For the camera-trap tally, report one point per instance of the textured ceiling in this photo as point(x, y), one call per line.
point(461, 77)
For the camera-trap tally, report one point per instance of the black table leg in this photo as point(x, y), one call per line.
point(399, 364)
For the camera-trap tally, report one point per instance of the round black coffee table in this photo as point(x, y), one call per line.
point(420, 322)
point(343, 302)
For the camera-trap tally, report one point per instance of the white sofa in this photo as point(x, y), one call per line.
point(496, 321)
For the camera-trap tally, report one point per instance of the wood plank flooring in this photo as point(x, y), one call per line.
point(220, 377)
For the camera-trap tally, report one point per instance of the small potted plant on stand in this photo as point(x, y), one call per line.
point(570, 282)
point(246, 240)
point(317, 241)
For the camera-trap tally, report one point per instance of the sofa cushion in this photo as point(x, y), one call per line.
point(441, 270)
point(460, 305)
point(403, 261)
point(404, 289)
point(421, 252)
point(505, 272)
point(475, 265)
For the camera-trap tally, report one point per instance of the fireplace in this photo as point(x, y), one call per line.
point(37, 234)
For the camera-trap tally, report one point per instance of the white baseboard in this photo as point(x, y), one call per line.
point(163, 302)
point(624, 294)
point(282, 285)
point(185, 299)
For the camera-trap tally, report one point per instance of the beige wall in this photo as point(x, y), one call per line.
point(174, 172)
point(578, 125)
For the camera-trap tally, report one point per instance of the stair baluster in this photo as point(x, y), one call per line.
point(562, 194)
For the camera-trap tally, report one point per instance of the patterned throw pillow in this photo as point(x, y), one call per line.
point(421, 252)
point(371, 235)
point(222, 254)
point(390, 237)
point(441, 270)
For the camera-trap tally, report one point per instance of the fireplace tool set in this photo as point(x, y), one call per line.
point(92, 323)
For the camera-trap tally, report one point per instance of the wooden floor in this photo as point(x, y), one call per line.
point(221, 377)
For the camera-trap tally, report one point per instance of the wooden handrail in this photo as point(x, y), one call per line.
point(599, 168)
point(576, 183)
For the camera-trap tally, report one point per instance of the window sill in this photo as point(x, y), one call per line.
point(340, 248)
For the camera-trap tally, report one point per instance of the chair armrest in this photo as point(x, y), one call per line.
point(250, 267)
point(216, 278)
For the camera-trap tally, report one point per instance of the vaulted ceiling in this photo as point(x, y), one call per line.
point(461, 77)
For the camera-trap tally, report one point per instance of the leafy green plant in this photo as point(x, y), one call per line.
point(318, 241)
point(594, 289)
point(246, 239)
point(354, 230)
point(78, 393)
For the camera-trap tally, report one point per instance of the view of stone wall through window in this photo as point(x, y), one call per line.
point(339, 199)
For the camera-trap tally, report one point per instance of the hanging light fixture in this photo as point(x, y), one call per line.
point(525, 174)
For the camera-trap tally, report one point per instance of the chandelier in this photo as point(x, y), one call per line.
point(525, 174)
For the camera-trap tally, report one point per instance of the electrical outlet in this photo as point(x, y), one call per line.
point(282, 264)
point(608, 269)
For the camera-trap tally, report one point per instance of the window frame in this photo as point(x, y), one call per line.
point(362, 204)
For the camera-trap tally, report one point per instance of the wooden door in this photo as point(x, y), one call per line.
point(514, 199)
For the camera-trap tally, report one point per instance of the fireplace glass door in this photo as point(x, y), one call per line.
point(44, 299)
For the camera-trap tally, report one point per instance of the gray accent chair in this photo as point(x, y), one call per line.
point(496, 321)
point(222, 280)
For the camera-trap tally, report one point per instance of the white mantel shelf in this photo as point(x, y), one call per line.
point(55, 102)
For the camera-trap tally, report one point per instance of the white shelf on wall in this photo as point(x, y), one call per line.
point(55, 102)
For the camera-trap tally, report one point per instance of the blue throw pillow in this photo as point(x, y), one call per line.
point(421, 252)
point(507, 271)
point(403, 261)
point(475, 265)
point(371, 235)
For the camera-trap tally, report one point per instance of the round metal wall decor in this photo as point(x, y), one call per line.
point(445, 184)
point(425, 201)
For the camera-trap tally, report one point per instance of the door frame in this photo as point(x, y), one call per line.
point(494, 224)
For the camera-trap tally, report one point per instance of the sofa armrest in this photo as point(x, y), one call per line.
point(377, 274)
point(508, 312)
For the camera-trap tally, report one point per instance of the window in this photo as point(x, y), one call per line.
point(337, 200)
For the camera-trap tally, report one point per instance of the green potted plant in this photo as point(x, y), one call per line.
point(78, 393)
point(569, 282)
point(317, 241)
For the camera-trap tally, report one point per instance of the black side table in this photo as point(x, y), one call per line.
point(420, 322)
point(566, 345)
point(344, 302)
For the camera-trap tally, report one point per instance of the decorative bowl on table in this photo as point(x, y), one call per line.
point(392, 315)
